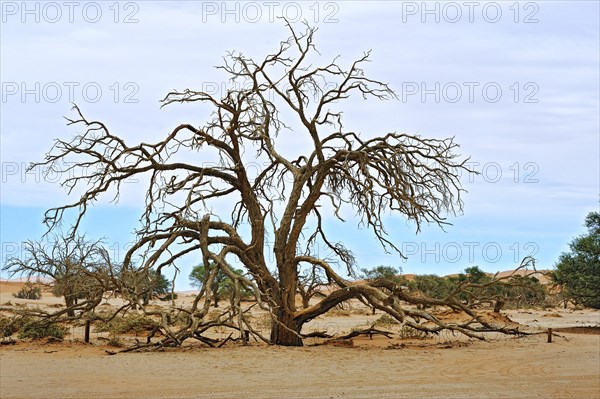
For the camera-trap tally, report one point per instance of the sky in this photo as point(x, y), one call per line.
point(516, 84)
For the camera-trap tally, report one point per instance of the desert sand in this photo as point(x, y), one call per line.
point(444, 366)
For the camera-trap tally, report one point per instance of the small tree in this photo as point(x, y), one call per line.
point(141, 285)
point(382, 272)
point(578, 271)
point(161, 287)
point(474, 275)
point(311, 282)
point(222, 285)
point(29, 291)
point(432, 286)
point(73, 264)
point(525, 291)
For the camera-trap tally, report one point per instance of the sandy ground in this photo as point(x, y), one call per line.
point(444, 366)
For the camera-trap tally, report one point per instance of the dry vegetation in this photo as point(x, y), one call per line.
point(406, 359)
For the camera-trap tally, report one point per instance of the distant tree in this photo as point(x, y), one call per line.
point(467, 284)
point(578, 271)
point(161, 285)
point(472, 285)
point(311, 282)
point(222, 286)
point(29, 291)
point(477, 288)
point(140, 284)
point(525, 291)
point(475, 275)
point(382, 272)
point(73, 264)
point(433, 286)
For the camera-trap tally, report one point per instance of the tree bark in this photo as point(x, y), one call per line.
point(287, 331)
point(305, 301)
point(215, 291)
point(69, 302)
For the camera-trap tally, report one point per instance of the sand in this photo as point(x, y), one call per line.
point(444, 366)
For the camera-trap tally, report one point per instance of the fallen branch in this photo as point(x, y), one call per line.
point(317, 334)
point(369, 331)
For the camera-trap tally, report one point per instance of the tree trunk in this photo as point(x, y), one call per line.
point(287, 330)
point(70, 302)
point(305, 301)
point(215, 291)
point(281, 335)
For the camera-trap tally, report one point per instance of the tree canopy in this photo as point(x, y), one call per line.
point(279, 212)
point(74, 266)
point(578, 271)
point(222, 285)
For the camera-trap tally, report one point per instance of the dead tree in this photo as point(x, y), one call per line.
point(283, 201)
point(311, 283)
point(73, 266)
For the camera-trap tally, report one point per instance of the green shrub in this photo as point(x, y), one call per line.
point(132, 322)
point(407, 332)
point(115, 341)
point(8, 326)
point(577, 272)
point(30, 291)
point(12, 325)
point(386, 320)
point(37, 330)
point(168, 297)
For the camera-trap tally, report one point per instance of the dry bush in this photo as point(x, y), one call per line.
point(214, 314)
point(115, 341)
point(37, 330)
point(8, 326)
point(153, 308)
point(129, 323)
point(552, 315)
point(365, 324)
point(407, 332)
point(29, 291)
point(340, 312)
point(362, 312)
point(385, 320)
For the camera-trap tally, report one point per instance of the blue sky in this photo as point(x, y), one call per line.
point(516, 83)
